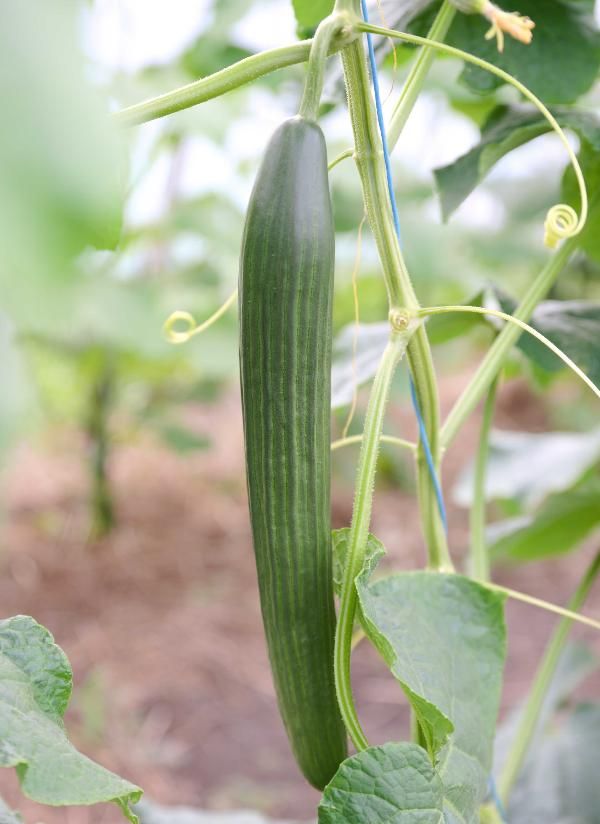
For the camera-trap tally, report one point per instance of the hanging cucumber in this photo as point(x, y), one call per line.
point(286, 284)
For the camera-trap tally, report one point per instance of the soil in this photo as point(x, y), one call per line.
point(161, 620)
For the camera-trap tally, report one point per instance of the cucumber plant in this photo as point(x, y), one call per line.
point(441, 632)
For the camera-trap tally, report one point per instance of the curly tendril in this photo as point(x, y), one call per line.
point(496, 313)
point(191, 328)
point(562, 221)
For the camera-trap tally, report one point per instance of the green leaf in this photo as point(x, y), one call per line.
point(589, 159)
point(559, 65)
point(558, 526)
point(61, 169)
point(392, 784)
point(573, 326)
point(527, 466)
point(507, 128)
point(455, 689)
point(35, 686)
point(442, 328)
point(310, 12)
point(373, 552)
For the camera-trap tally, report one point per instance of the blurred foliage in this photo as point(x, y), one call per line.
point(105, 234)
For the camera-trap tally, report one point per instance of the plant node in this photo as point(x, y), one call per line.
point(399, 320)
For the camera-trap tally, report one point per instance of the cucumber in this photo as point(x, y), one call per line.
point(285, 303)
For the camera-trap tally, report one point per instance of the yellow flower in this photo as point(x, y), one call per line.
point(514, 24)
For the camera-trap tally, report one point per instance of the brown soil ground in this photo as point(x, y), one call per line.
point(161, 620)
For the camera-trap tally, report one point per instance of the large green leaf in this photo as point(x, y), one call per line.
point(528, 466)
point(392, 784)
point(589, 158)
point(309, 13)
point(60, 160)
point(559, 525)
point(35, 687)
point(454, 690)
point(507, 128)
point(573, 326)
point(559, 65)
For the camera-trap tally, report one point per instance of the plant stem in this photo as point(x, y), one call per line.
point(418, 73)
point(546, 605)
point(229, 78)
point(354, 439)
point(497, 353)
point(401, 294)
point(313, 87)
point(525, 327)
point(480, 560)
point(359, 533)
point(541, 684)
point(101, 504)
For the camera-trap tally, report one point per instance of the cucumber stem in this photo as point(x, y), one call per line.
point(480, 561)
point(401, 294)
point(498, 351)
point(359, 533)
point(416, 78)
point(221, 82)
point(319, 52)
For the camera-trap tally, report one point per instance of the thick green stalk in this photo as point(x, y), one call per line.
point(480, 560)
point(359, 533)
point(529, 719)
point(401, 294)
point(416, 78)
point(232, 77)
point(313, 87)
point(497, 353)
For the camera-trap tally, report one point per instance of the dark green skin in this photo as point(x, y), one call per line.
point(286, 287)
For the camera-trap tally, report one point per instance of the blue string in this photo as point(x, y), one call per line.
point(493, 793)
point(428, 456)
point(415, 401)
point(388, 171)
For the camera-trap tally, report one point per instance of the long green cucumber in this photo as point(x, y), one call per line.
point(286, 285)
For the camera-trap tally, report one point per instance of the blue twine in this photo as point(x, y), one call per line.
point(415, 401)
point(493, 793)
point(428, 456)
point(388, 171)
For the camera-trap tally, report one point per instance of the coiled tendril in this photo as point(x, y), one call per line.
point(191, 328)
point(562, 221)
